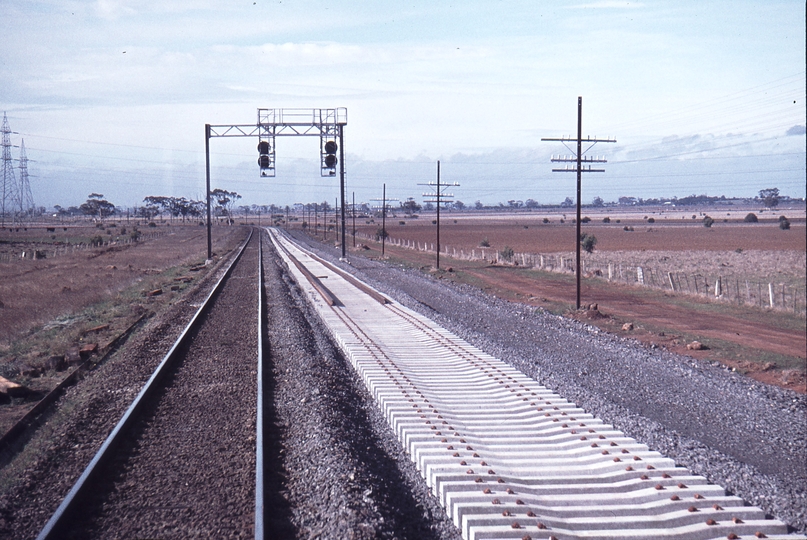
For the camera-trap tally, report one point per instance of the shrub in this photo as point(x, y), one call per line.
point(134, 235)
point(751, 218)
point(401, 223)
point(784, 224)
point(381, 233)
point(546, 220)
point(434, 222)
point(708, 222)
point(97, 240)
point(782, 218)
point(152, 224)
point(651, 220)
point(606, 219)
point(585, 219)
point(587, 242)
point(507, 253)
point(485, 242)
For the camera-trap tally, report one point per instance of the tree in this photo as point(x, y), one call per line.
point(587, 242)
point(770, 197)
point(96, 205)
point(157, 203)
point(410, 206)
point(225, 200)
point(478, 205)
point(459, 205)
point(567, 203)
point(597, 202)
point(531, 203)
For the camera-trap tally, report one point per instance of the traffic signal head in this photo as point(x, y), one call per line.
point(263, 147)
point(330, 147)
point(263, 161)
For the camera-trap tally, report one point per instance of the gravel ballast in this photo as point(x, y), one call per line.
point(748, 437)
point(334, 468)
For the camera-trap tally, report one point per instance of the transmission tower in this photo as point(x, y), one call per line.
point(10, 201)
point(26, 197)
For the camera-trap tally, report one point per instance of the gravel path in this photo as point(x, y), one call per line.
point(746, 436)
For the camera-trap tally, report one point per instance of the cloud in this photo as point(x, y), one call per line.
point(112, 9)
point(797, 130)
point(608, 4)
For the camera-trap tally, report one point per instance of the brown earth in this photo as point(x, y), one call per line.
point(56, 306)
point(35, 292)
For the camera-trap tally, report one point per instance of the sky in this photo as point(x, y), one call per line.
point(112, 96)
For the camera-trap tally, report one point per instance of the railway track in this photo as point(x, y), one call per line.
point(187, 444)
point(506, 457)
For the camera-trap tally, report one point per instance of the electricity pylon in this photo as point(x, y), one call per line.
point(10, 200)
point(25, 195)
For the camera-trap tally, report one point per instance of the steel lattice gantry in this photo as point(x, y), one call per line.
point(327, 124)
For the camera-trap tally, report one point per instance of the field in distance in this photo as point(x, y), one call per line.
point(768, 344)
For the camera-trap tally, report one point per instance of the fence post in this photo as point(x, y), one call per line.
point(718, 288)
point(639, 275)
point(672, 283)
point(770, 293)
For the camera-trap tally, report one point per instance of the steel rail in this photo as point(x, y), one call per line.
point(507, 457)
point(54, 528)
point(259, 474)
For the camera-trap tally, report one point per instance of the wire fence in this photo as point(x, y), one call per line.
point(731, 288)
point(48, 252)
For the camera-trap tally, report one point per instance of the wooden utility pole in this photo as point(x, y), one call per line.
point(438, 196)
point(579, 160)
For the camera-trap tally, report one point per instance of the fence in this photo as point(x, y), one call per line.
point(56, 251)
point(720, 287)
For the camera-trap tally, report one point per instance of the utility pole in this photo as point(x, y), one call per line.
point(354, 219)
point(579, 160)
point(438, 196)
point(383, 218)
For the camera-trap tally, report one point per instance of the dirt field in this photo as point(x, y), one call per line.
point(36, 292)
point(85, 297)
point(769, 345)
